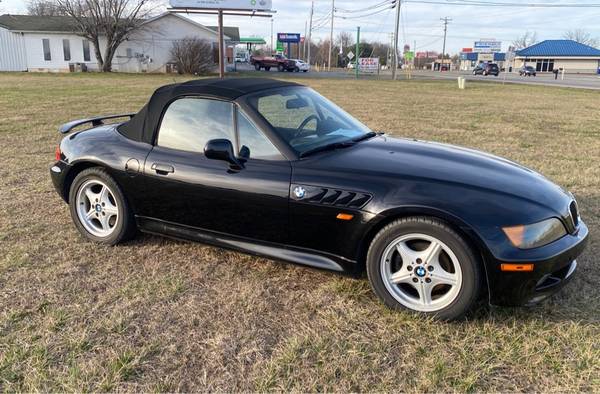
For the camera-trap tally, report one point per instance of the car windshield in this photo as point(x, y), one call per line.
point(307, 121)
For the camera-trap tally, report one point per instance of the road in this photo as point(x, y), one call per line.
point(570, 80)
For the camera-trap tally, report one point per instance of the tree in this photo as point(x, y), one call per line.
point(111, 20)
point(344, 40)
point(192, 56)
point(581, 36)
point(44, 8)
point(526, 40)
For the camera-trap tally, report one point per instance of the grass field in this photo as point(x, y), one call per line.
point(161, 315)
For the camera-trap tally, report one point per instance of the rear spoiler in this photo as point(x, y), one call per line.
point(97, 121)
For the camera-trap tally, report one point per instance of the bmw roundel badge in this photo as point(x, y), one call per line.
point(299, 192)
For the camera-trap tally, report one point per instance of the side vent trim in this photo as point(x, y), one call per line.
point(330, 196)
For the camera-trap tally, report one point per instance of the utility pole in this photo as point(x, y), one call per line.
point(331, 34)
point(272, 49)
point(221, 46)
point(303, 46)
point(396, 30)
point(446, 20)
point(357, 64)
point(312, 8)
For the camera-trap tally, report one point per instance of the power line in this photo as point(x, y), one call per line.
point(504, 4)
point(369, 8)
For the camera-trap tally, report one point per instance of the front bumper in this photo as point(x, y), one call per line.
point(551, 272)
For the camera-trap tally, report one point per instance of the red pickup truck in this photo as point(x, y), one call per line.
point(281, 62)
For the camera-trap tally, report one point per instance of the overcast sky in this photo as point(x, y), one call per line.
point(420, 22)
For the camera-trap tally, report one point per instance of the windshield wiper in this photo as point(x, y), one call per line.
point(366, 136)
point(333, 146)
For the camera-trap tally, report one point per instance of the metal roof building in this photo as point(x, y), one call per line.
point(569, 55)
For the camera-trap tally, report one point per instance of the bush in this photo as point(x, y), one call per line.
point(192, 56)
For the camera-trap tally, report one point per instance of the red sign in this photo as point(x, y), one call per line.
point(426, 55)
point(467, 50)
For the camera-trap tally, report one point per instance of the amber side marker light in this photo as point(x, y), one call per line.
point(516, 267)
point(344, 216)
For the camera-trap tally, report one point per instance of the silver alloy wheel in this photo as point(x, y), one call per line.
point(97, 208)
point(421, 272)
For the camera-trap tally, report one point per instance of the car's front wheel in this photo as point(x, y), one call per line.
point(423, 265)
point(99, 208)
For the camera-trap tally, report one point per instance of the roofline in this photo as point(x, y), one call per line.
point(145, 22)
point(45, 32)
point(183, 18)
point(592, 57)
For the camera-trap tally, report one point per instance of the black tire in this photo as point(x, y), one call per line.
point(297, 70)
point(124, 229)
point(280, 68)
point(257, 66)
point(267, 68)
point(470, 264)
point(304, 71)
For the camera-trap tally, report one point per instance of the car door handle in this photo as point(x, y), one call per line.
point(163, 169)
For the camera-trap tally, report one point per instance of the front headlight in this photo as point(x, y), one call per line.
point(535, 235)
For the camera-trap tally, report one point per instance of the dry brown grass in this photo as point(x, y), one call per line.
point(162, 315)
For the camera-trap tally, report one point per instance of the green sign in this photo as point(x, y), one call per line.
point(279, 47)
point(409, 56)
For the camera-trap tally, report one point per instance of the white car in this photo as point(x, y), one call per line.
point(301, 65)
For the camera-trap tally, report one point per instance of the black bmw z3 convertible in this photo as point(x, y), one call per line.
point(274, 169)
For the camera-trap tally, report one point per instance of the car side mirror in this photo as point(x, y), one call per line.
point(222, 149)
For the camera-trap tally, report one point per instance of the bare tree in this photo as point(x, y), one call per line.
point(113, 20)
point(344, 40)
point(44, 8)
point(526, 40)
point(582, 37)
point(192, 56)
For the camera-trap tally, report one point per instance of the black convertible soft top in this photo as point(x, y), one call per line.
point(144, 124)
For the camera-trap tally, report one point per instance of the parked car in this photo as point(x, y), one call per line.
point(527, 71)
point(273, 168)
point(278, 61)
point(301, 65)
point(487, 69)
point(241, 57)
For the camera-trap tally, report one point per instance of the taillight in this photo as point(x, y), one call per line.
point(57, 153)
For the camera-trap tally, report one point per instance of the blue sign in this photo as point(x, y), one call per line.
point(288, 37)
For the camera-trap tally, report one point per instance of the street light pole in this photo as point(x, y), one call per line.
point(396, 30)
point(331, 34)
point(312, 8)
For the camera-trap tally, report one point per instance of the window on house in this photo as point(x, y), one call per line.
point(46, 45)
point(67, 49)
point(129, 53)
point(86, 51)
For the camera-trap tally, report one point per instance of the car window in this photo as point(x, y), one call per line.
point(253, 143)
point(189, 123)
point(274, 109)
point(305, 120)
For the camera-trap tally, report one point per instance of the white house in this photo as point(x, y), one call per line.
point(35, 43)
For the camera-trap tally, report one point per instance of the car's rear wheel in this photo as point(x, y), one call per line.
point(257, 66)
point(99, 208)
point(423, 265)
point(267, 68)
point(280, 68)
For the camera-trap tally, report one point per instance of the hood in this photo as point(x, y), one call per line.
point(441, 163)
